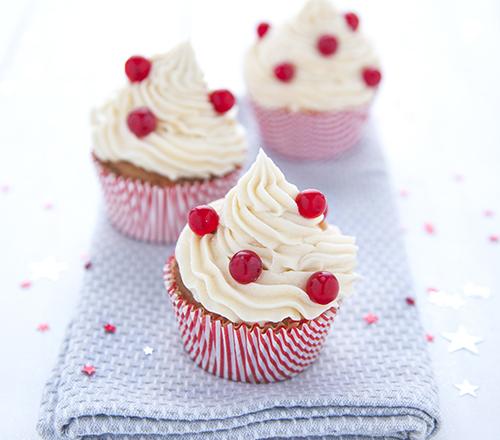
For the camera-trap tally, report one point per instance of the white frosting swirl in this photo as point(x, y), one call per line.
point(260, 214)
point(321, 83)
point(191, 140)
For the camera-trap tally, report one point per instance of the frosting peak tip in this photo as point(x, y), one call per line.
point(261, 155)
point(317, 6)
point(264, 162)
point(182, 125)
point(184, 48)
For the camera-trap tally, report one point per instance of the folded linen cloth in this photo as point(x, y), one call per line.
point(370, 382)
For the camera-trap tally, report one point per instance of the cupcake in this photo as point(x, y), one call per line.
point(257, 278)
point(163, 144)
point(311, 82)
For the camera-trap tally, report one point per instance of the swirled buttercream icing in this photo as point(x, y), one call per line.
point(260, 214)
point(191, 140)
point(320, 83)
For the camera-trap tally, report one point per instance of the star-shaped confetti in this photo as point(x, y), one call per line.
point(429, 228)
point(49, 269)
point(109, 328)
point(444, 299)
point(370, 318)
point(410, 301)
point(462, 340)
point(43, 327)
point(466, 388)
point(429, 337)
point(148, 351)
point(89, 370)
point(25, 284)
point(477, 291)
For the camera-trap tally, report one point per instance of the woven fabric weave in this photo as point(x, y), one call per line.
point(370, 381)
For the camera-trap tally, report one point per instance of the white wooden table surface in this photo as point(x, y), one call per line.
point(437, 116)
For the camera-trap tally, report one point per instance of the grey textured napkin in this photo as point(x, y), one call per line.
point(371, 381)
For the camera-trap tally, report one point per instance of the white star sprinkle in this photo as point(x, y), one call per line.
point(462, 340)
point(467, 388)
point(477, 291)
point(49, 269)
point(444, 299)
point(148, 351)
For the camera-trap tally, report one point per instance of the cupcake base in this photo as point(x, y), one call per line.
point(310, 135)
point(156, 212)
point(243, 352)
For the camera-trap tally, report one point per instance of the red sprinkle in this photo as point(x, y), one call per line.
point(43, 327)
point(429, 228)
point(370, 318)
point(89, 370)
point(88, 265)
point(494, 238)
point(410, 301)
point(26, 284)
point(429, 337)
point(109, 328)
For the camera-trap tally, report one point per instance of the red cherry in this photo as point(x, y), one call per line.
point(203, 220)
point(327, 45)
point(352, 20)
point(322, 287)
point(222, 100)
point(141, 121)
point(284, 72)
point(137, 68)
point(311, 203)
point(245, 267)
point(262, 29)
point(371, 77)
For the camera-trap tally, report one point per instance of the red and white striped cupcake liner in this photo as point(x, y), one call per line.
point(242, 352)
point(156, 213)
point(310, 135)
